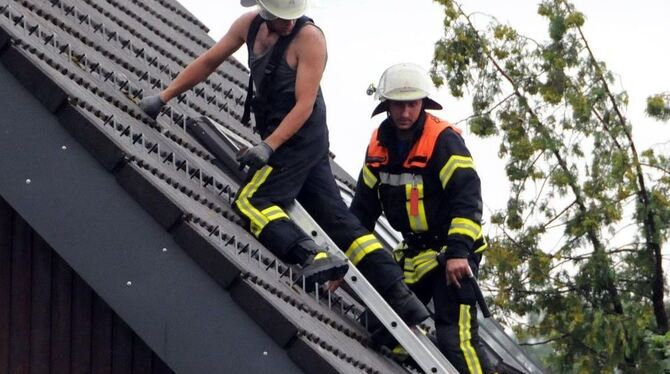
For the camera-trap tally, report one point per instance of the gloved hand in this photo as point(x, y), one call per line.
point(152, 105)
point(255, 157)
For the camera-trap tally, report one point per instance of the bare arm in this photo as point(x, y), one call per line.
point(198, 70)
point(311, 56)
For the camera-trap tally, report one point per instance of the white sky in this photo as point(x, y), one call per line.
point(365, 37)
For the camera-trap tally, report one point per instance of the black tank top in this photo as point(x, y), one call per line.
point(280, 98)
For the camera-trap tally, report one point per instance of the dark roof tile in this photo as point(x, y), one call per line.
point(178, 9)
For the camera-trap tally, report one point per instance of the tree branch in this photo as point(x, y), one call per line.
point(591, 234)
point(649, 222)
point(546, 341)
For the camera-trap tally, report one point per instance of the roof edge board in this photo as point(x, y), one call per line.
point(165, 211)
point(305, 356)
point(103, 148)
point(280, 327)
point(4, 38)
point(205, 254)
point(34, 79)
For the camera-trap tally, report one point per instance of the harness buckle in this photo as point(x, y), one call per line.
point(423, 240)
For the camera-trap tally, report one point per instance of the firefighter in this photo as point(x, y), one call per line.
point(287, 56)
point(420, 174)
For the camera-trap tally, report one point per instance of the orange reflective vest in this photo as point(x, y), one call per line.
point(434, 190)
point(421, 150)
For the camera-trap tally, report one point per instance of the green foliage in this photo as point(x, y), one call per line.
point(574, 19)
point(658, 106)
point(557, 28)
point(514, 209)
point(660, 344)
point(575, 176)
point(483, 126)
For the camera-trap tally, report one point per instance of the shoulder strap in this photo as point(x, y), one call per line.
point(377, 154)
point(253, 31)
point(277, 53)
point(423, 148)
point(251, 40)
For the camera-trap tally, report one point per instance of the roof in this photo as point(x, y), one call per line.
point(87, 63)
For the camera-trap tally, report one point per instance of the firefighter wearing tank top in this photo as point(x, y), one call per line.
point(420, 174)
point(292, 162)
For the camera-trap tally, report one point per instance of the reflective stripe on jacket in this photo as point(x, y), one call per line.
point(432, 189)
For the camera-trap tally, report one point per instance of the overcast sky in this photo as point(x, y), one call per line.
point(364, 37)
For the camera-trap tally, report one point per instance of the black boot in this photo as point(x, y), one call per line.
point(408, 307)
point(406, 304)
point(320, 267)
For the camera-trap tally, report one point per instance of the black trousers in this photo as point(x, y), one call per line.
point(300, 169)
point(455, 318)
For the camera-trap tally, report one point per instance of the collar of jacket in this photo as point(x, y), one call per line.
point(387, 135)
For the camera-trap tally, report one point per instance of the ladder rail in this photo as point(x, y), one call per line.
point(415, 342)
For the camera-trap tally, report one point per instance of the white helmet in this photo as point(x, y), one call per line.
point(284, 9)
point(404, 82)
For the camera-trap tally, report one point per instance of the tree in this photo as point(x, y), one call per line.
point(658, 106)
point(579, 246)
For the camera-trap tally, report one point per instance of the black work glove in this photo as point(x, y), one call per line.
point(152, 105)
point(255, 157)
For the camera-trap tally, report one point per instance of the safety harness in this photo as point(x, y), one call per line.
point(418, 157)
point(421, 150)
point(278, 52)
point(420, 250)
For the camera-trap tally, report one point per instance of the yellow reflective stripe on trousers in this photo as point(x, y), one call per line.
point(274, 212)
point(361, 247)
point(465, 227)
point(420, 265)
point(256, 218)
point(368, 177)
point(417, 223)
point(400, 353)
point(464, 336)
point(454, 163)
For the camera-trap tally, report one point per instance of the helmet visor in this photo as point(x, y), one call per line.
point(428, 103)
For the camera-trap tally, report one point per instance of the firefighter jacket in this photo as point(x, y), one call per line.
point(427, 189)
